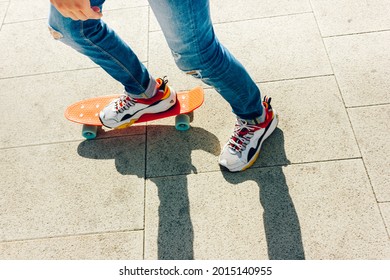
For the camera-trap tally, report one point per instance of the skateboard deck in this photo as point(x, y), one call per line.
point(86, 112)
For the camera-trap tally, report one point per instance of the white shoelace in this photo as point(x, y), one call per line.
point(243, 132)
point(124, 102)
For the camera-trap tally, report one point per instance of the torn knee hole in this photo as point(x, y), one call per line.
point(55, 34)
point(195, 73)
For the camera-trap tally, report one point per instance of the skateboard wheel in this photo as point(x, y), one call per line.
point(182, 122)
point(89, 131)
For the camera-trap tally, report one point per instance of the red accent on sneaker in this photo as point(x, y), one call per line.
point(243, 133)
point(160, 94)
point(268, 116)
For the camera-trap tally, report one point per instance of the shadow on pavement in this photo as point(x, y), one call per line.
point(168, 153)
point(281, 224)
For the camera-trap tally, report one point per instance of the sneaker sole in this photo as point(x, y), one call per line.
point(126, 125)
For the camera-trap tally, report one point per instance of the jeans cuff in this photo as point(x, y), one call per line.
point(149, 92)
point(255, 118)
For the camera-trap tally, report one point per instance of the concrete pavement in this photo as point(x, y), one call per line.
point(319, 190)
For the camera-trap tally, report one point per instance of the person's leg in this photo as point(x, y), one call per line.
point(96, 40)
point(188, 30)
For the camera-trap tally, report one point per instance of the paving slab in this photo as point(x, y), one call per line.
point(319, 189)
point(308, 109)
point(58, 57)
point(3, 10)
point(238, 10)
point(161, 63)
point(172, 152)
point(109, 246)
point(345, 17)
point(372, 129)
point(24, 10)
point(233, 10)
point(385, 210)
point(314, 211)
point(132, 26)
point(313, 123)
point(44, 54)
point(277, 48)
point(62, 189)
point(271, 49)
point(362, 70)
point(120, 4)
point(44, 98)
point(338, 212)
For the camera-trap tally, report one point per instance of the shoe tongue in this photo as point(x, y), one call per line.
point(252, 122)
point(243, 132)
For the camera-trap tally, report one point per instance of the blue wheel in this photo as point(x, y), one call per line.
point(89, 131)
point(182, 122)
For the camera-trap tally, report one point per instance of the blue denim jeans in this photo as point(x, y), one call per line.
point(189, 32)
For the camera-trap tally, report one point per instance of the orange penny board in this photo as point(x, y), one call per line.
point(87, 111)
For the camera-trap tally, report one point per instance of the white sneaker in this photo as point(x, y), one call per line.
point(125, 110)
point(243, 147)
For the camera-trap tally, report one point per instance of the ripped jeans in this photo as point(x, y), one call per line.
point(189, 32)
